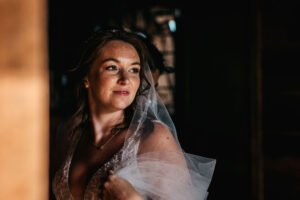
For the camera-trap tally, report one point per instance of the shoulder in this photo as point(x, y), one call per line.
point(160, 129)
point(159, 139)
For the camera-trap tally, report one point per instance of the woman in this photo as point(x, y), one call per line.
point(120, 145)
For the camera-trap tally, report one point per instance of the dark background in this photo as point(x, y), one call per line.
point(237, 89)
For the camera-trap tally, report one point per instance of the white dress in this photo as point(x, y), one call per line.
point(157, 175)
point(60, 183)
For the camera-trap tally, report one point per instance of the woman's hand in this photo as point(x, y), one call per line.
point(116, 188)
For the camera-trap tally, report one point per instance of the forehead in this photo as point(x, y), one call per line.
point(118, 48)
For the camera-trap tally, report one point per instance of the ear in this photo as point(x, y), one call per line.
point(86, 82)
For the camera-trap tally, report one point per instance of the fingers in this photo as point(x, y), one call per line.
point(111, 177)
point(107, 191)
point(110, 180)
point(116, 187)
point(106, 185)
point(104, 195)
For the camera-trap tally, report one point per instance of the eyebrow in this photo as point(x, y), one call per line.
point(117, 61)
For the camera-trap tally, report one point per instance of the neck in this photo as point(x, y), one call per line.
point(103, 122)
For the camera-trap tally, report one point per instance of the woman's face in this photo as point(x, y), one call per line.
point(114, 77)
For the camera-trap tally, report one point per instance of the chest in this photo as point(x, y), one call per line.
point(83, 174)
point(89, 168)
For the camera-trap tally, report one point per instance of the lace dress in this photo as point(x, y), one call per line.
point(60, 183)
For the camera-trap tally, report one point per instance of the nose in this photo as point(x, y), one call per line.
point(124, 78)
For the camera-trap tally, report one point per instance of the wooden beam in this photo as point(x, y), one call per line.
point(23, 100)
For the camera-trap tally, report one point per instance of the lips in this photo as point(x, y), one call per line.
point(122, 92)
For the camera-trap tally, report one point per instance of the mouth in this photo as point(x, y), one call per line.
point(122, 92)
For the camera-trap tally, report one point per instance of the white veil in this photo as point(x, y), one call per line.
point(157, 173)
point(170, 175)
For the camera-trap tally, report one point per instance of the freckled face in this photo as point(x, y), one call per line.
point(114, 77)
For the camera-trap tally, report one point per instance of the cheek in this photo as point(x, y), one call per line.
point(103, 84)
point(105, 80)
point(136, 84)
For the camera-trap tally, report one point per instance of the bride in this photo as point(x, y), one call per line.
point(121, 143)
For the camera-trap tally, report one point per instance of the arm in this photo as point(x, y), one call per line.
point(59, 148)
point(160, 147)
point(160, 139)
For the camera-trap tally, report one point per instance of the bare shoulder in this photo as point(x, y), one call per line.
point(160, 139)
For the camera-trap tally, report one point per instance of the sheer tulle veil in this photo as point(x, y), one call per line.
point(156, 174)
point(161, 174)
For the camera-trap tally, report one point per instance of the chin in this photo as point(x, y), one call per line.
point(122, 103)
point(121, 106)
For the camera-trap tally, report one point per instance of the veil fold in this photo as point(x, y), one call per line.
point(170, 175)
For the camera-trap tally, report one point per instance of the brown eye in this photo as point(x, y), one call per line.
point(111, 68)
point(134, 70)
